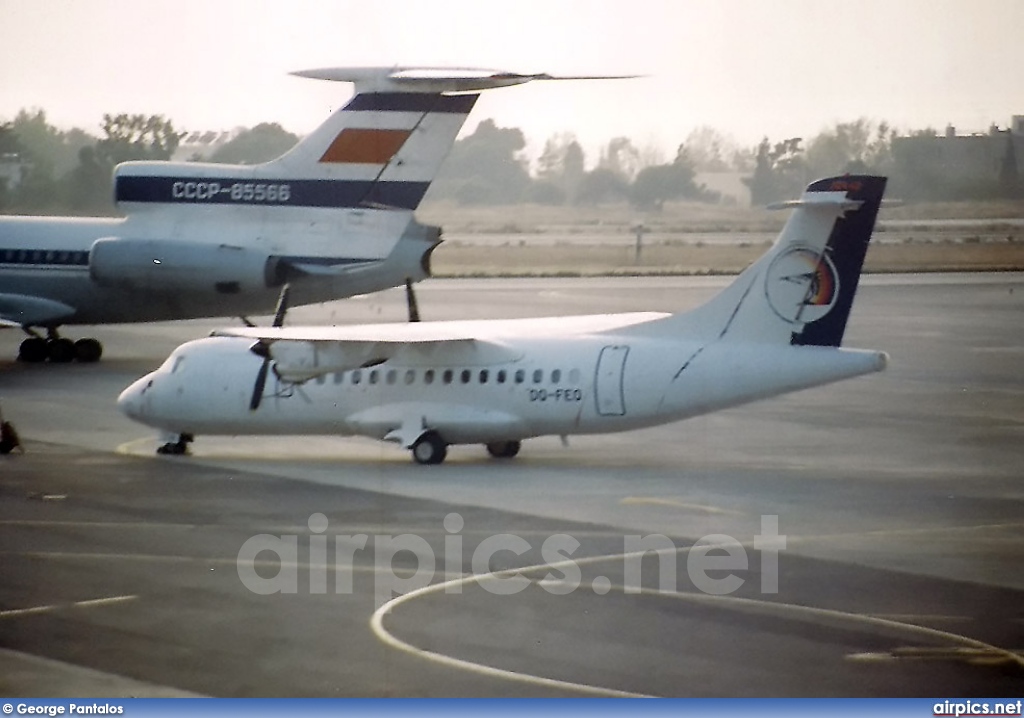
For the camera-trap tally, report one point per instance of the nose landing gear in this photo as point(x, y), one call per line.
point(176, 448)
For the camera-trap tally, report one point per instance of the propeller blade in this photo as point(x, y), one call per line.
point(261, 382)
point(261, 349)
point(410, 300)
point(282, 306)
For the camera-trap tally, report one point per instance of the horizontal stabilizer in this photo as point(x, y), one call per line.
point(435, 79)
point(824, 201)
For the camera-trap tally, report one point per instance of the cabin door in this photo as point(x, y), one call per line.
point(609, 391)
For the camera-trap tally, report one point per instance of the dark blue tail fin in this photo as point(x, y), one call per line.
point(838, 271)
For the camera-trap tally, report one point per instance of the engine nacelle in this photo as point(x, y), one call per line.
point(174, 266)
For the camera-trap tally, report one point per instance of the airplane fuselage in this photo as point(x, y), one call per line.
point(572, 385)
point(229, 259)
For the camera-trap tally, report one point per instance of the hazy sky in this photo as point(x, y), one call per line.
point(746, 67)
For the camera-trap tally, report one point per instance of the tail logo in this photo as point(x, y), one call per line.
point(801, 285)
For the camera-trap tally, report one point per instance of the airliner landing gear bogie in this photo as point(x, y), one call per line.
point(429, 449)
point(59, 350)
point(503, 449)
point(176, 448)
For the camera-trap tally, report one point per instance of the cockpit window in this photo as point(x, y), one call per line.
point(171, 363)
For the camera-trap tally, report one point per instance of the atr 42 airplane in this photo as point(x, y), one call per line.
point(776, 329)
point(333, 217)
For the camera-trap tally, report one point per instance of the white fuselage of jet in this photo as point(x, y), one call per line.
point(47, 262)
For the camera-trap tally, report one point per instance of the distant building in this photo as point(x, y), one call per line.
point(203, 144)
point(981, 158)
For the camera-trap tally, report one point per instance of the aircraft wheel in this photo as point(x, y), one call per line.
point(176, 448)
point(88, 351)
point(172, 448)
point(60, 351)
point(429, 449)
point(503, 449)
point(32, 350)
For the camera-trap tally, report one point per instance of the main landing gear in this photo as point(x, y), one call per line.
point(176, 448)
point(57, 349)
point(429, 449)
point(504, 449)
point(432, 449)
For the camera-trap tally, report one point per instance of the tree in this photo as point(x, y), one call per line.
point(621, 158)
point(9, 156)
point(858, 146)
point(261, 143)
point(708, 149)
point(87, 187)
point(562, 163)
point(45, 147)
point(601, 185)
point(47, 154)
point(487, 167)
point(136, 137)
point(658, 183)
point(779, 171)
point(9, 144)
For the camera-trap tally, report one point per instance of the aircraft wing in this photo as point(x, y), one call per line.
point(301, 353)
point(18, 310)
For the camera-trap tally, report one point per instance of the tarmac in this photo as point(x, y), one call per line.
point(897, 566)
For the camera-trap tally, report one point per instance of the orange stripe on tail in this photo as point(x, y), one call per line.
point(375, 147)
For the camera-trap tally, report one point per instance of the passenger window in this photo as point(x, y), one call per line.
point(410, 376)
point(321, 378)
point(338, 376)
point(428, 376)
point(466, 376)
point(357, 376)
point(483, 376)
point(502, 374)
point(538, 376)
point(392, 375)
point(520, 376)
point(574, 376)
point(373, 376)
point(447, 376)
point(556, 376)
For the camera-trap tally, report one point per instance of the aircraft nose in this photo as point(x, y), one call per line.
point(130, 401)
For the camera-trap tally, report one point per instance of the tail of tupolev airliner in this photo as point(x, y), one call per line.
point(380, 150)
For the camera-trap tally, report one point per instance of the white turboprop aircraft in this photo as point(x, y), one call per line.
point(333, 217)
point(775, 329)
